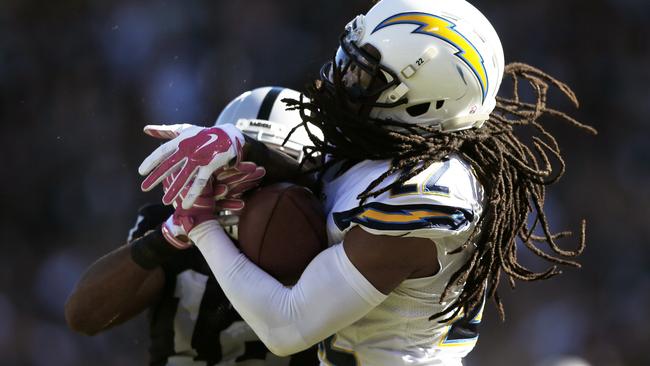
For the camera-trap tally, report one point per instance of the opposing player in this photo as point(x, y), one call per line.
point(426, 186)
point(191, 321)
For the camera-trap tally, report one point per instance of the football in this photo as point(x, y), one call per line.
point(281, 229)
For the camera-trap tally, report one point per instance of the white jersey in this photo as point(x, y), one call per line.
point(443, 203)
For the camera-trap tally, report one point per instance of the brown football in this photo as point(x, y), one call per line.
point(281, 229)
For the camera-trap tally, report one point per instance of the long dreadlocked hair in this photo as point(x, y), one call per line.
point(513, 173)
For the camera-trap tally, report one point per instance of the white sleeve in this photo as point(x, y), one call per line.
point(330, 295)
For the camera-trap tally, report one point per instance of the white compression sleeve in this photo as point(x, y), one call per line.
point(330, 294)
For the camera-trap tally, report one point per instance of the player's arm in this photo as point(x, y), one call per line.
point(339, 286)
point(113, 290)
point(386, 261)
point(123, 283)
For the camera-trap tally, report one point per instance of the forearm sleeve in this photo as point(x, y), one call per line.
point(330, 294)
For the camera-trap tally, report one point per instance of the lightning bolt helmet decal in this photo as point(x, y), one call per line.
point(443, 29)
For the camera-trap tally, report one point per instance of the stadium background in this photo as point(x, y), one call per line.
point(79, 79)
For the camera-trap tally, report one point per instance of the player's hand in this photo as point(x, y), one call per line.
point(238, 179)
point(182, 221)
point(192, 157)
point(166, 132)
point(174, 233)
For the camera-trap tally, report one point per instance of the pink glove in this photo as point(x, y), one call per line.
point(240, 178)
point(179, 224)
point(192, 156)
point(231, 182)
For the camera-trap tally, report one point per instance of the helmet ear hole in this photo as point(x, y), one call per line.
point(418, 109)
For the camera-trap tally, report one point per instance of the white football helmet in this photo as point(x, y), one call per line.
point(261, 114)
point(437, 63)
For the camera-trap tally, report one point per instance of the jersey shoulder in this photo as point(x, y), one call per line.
point(444, 199)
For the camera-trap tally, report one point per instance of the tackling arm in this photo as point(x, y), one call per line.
point(113, 290)
point(124, 282)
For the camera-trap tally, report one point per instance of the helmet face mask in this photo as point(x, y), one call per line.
point(434, 63)
point(360, 73)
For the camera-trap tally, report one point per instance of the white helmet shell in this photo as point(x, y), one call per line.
point(261, 114)
point(446, 55)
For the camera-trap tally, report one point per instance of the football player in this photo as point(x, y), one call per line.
point(191, 321)
point(427, 189)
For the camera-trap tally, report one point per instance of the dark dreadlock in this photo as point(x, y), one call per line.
point(513, 174)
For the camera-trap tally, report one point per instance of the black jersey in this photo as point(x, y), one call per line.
point(193, 323)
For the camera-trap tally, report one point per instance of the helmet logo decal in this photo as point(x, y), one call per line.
point(441, 28)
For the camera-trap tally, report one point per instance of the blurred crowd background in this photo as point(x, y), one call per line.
point(79, 79)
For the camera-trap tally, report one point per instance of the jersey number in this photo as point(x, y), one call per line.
point(424, 183)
